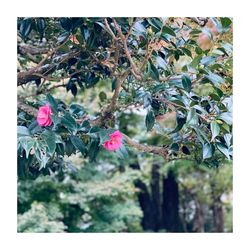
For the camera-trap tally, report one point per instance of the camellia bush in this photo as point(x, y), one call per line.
point(164, 67)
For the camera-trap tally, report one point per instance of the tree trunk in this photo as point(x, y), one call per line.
point(218, 216)
point(150, 202)
point(156, 199)
point(198, 223)
point(145, 204)
point(144, 201)
point(170, 205)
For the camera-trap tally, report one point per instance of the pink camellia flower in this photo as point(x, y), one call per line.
point(115, 141)
point(44, 116)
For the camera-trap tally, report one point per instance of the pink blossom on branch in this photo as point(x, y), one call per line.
point(115, 141)
point(44, 116)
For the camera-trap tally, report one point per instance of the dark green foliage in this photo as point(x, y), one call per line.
point(150, 120)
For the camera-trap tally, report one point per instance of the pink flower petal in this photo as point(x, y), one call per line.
point(43, 116)
point(115, 141)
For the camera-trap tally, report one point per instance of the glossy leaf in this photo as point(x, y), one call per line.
point(186, 82)
point(168, 30)
point(93, 149)
point(161, 62)
point(50, 139)
point(52, 102)
point(78, 143)
point(22, 131)
point(27, 143)
point(223, 149)
point(227, 117)
point(150, 120)
point(180, 120)
point(69, 122)
point(225, 21)
point(192, 117)
point(207, 151)
point(215, 129)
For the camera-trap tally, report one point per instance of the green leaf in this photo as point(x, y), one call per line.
point(225, 22)
point(180, 120)
point(215, 79)
point(161, 62)
point(78, 143)
point(25, 27)
point(175, 147)
point(34, 127)
point(185, 150)
point(56, 120)
point(223, 149)
point(76, 109)
point(154, 72)
point(192, 117)
point(139, 29)
point(52, 102)
point(227, 117)
point(150, 120)
point(200, 134)
point(69, 122)
point(60, 149)
point(156, 23)
point(40, 24)
point(187, 52)
point(215, 129)
point(214, 97)
point(168, 30)
point(69, 148)
point(186, 82)
point(201, 109)
point(196, 61)
point(22, 131)
point(93, 149)
point(207, 151)
point(50, 139)
point(102, 96)
point(66, 23)
point(228, 138)
point(27, 143)
point(40, 154)
point(122, 152)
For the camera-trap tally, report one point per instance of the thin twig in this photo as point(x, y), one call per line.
point(136, 73)
point(109, 29)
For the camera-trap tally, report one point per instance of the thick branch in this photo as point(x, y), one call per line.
point(26, 108)
point(147, 149)
point(201, 21)
point(43, 70)
point(115, 96)
point(32, 75)
point(24, 49)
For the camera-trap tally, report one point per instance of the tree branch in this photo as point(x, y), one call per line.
point(109, 29)
point(201, 21)
point(24, 49)
point(42, 71)
point(26, 108)
point(115, 96)
point(147, 149)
